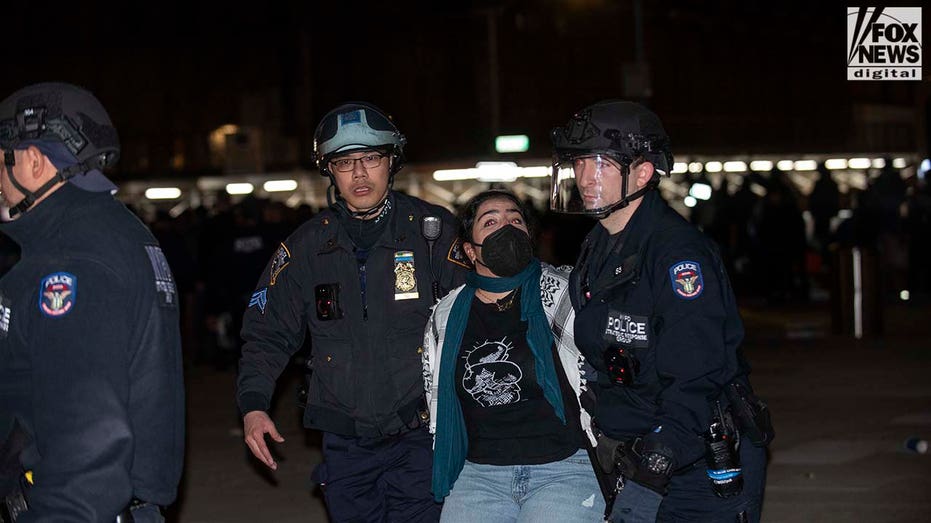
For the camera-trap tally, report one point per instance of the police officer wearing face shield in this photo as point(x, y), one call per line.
point(359, 278)
point(680, 428)
point(91, 388)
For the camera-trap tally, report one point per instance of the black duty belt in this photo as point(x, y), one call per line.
point(413, 415)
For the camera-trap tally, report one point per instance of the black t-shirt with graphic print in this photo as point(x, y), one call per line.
point(509, 421)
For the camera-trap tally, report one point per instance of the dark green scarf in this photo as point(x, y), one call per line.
point(452, 442)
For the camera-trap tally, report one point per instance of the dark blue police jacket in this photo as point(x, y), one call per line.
point(365, 318)
point(663, 296)
point(90, 360)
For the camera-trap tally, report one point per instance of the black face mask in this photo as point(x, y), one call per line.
point(506, 251)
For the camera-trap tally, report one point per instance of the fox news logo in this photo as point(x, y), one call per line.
point(884, 43)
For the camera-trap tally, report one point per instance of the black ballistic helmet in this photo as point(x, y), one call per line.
point(60, 112)
point(70, 126)
point(357, 126)
point(617, 128)
point(614, 132)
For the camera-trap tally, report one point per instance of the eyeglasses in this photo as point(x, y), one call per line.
point(345, 165)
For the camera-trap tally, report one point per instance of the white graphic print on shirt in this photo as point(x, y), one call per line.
point(489, 377)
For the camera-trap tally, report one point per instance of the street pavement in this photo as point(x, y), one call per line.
point(842, 408)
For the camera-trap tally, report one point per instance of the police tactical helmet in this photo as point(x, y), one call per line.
point(617, 128)
point(609, 136)
point(63, 113)
point(357, 126)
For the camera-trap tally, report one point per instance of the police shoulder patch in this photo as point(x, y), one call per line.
point(457, 255)
point(58, 294)
point(164, 281)
point(279, 262)
point(687, 281)
point(6, 314)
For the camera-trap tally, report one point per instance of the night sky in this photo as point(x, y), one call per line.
point(735, 77)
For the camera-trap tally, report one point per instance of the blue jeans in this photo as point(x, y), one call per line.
point(563, 491)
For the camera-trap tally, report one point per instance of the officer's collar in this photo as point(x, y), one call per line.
point(394, 234)
point(623, 261)
point(365, 233)
point(43, 219)
point(642, 223)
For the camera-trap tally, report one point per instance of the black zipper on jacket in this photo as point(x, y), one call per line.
point(361, 259)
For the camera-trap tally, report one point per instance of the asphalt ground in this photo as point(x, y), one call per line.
point(843, 409)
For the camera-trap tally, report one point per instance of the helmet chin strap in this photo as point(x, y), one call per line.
point(31, 197)
point(334, 200)
point(626, 198)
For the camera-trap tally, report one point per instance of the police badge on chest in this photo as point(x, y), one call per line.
point(405, 277)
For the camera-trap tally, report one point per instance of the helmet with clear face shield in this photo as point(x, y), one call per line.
point(594, 152)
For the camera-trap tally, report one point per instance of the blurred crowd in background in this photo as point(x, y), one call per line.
point(779, 246)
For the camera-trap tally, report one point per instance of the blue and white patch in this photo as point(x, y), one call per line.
point(6, 314)
point(164, 281)
point(350, 117)
point(687, 281)
point(279, 262)
point(57, 294)
point(259, 299)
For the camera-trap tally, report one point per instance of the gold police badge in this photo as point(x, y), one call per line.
point(405, 279)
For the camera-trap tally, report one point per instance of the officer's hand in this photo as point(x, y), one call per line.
point(635, 504)
point(255, 425)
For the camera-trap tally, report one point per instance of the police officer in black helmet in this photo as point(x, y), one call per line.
point(359, 278)
point(681, 433)
point(91, 388)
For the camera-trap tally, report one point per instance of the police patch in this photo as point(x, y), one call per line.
point(164, 281)
point(627, 329)
point(279, 262)
point(687, 280)
point(259, 299)
point(6, 314)
point(457, 255)
point(57, 294)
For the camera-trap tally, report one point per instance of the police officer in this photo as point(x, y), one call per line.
point(656, 317)
point(91, 388)
point(360, 277)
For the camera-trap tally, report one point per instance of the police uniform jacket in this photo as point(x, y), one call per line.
point(366, 320)
point(664, 297)
point(90, 360)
